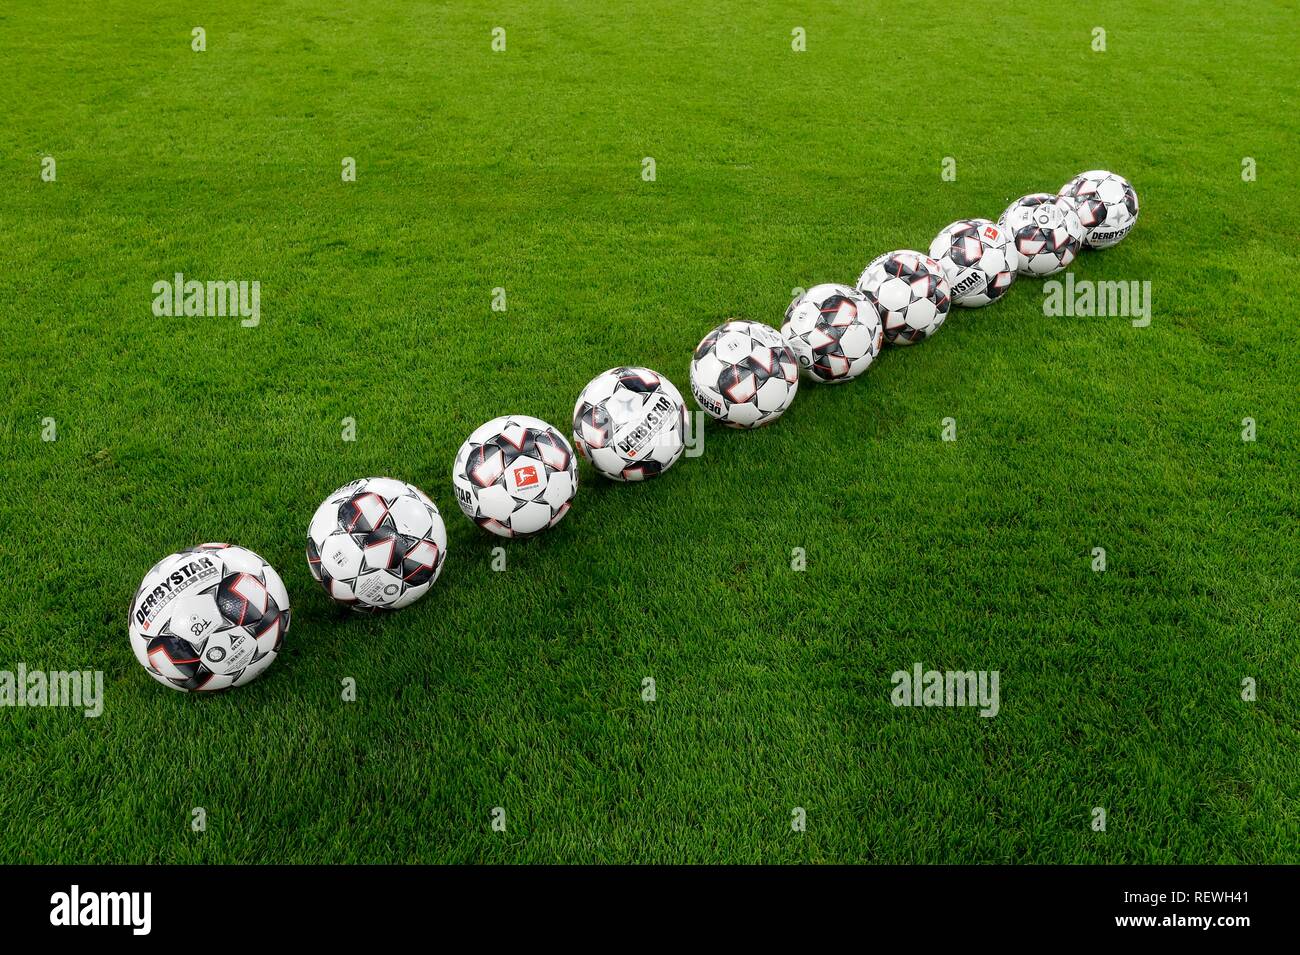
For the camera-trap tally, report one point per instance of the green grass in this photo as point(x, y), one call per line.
point(775, 169)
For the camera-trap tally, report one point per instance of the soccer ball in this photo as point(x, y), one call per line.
point(744, 374)
point(209, 617)
point(376, 544)
point(1046, 230)
point(1106, 204)
point(909, 291)
point(834, 332)
point(978, 259)
point(630, 423)
point(515, 476)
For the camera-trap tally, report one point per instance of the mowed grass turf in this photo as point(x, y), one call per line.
point(522, 689)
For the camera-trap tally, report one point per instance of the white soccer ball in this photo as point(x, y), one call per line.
point(1046, 230)
point(744, 374)
point(909, 292)
point(376, 544)
point(1106, 204)
point(834, 332)
point(208, 618)
point(515, 476)
point(630, 423)
point(978, 259)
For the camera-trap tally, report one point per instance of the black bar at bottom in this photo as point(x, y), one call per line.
point(336, 903)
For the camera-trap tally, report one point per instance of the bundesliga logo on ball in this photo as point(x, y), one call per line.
point(515, 476)
point(978, 259)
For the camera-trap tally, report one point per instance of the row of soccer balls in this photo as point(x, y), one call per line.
point(215, 615)
point(745, 373)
